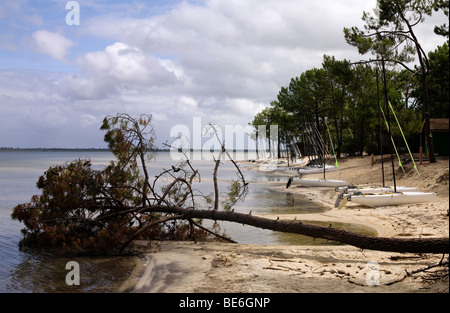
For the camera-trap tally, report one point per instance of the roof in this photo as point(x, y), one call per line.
point(439, 124)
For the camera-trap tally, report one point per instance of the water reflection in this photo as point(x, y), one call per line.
point(40, 272)
point(264, 200)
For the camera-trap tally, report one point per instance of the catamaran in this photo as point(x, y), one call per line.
point(373, 190)
point(385, 196)
point(319, 182)
point(313, 169)
point(388, 199)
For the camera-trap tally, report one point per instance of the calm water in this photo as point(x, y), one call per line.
point(39, 271)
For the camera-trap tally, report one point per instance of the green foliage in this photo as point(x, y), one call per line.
point(71, 195)
point(390, 35)
point(389, 31)
point(444, 6)
point(234, 195)
point(129, 140)
point(438, 83)
point(346, 97)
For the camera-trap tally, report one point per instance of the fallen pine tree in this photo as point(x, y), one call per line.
point(411, 245)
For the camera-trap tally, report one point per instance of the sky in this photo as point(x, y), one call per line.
point(214, 61)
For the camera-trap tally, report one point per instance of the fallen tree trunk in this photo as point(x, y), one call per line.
point(411, 245)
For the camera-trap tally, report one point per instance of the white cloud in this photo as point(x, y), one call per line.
point(185, 105)
point(220, 60)
point(53, 44)
point(120, 68)
point(245, 107)
point(87, 120)
point(240, 49)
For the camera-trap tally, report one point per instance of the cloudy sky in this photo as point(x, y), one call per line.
point(220, 60)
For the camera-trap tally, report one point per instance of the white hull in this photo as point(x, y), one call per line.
point(322, 182)
point(393, 198)
point(372, 190)
point(315, 169)
point(304, 170)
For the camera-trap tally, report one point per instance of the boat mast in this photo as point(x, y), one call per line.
point(381, 138)
point(388, 120)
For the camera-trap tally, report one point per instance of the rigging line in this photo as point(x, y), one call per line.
point(393, 144)
point(305, 145)
point(294, 144)
point(313, 142)
point(312, 148)
point(421, 128)
point(307, 137)
point(332, 145)
point(403, 135)
point(351, 134)
point(320, 144)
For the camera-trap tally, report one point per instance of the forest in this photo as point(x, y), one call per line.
point(345, 100)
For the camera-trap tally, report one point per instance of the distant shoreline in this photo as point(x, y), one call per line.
point(64, 149)
point(52, 149)
point(107, 149)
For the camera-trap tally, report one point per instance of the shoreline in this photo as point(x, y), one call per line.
point(413, 220)
point(212, 267)
point(188, 267)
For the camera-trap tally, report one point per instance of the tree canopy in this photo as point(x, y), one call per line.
point(342, 100)
point(344, 97)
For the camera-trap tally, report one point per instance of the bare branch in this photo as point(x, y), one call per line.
point(148, 226)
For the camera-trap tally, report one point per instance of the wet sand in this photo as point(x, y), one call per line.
point(239, 268)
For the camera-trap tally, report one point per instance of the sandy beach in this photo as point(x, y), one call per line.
point(212, 267)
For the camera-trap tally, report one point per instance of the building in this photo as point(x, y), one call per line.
point(439, 129)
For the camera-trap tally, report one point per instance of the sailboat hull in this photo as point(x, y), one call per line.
point(390, 199)
point(372, 190)
point(315, 169)
point(322, 182)
point(306, 170)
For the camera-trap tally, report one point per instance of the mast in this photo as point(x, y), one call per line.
point(286, 147)
point(388, 120)
point(381, 138)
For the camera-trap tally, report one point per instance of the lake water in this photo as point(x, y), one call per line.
point(28, 270)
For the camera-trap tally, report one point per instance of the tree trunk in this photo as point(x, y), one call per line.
point(424, 66)
point(413, 245)
point(426, 116)
point(216, 187)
